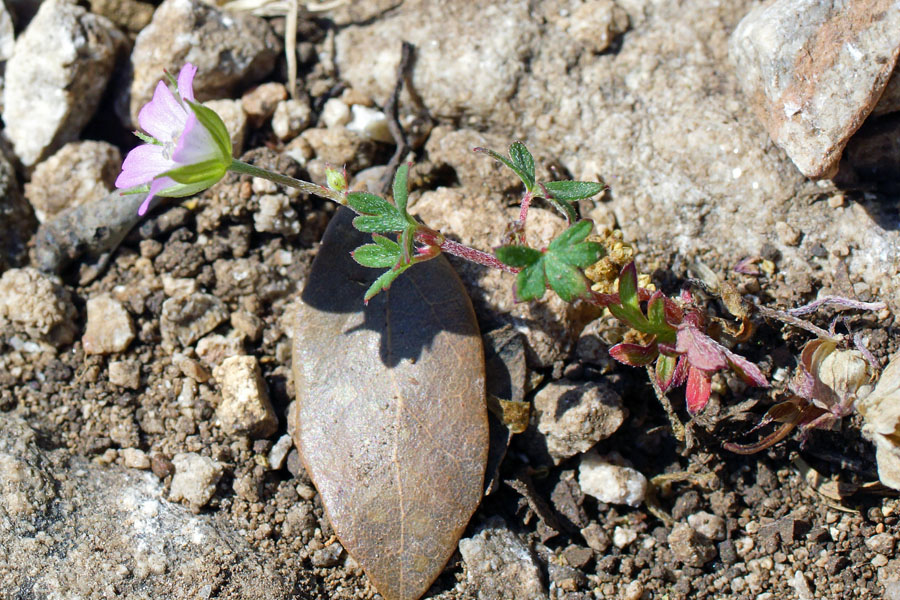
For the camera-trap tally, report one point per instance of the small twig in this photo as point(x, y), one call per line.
point(677, 427)
point(837, 301)
point(290, 46)
point(391, 112)
point(786, 317)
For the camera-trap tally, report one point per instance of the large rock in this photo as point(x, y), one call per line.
point(72, 529)
point(230, 51)
point(56, 77)
point(813, 70)
point(36, 308)
point(79, 173)
point(499, 565)
point(663, 120)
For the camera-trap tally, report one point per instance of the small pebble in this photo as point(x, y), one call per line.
point(787, 235)
point(135, 458)
point(190, 368)
point(278, 453)
point(125, 373)
point(712, 526)
point(195, 479)
point(328, 556)
point(260, 102)
point(609, 482)
point(335, 113)
point(291, 117)
point(882, 543)
point(623, 536)
point(109, 327)
point(245, 407)
point(633, 591)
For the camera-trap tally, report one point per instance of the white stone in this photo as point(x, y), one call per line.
point(335, 113)
point(290, 118)
point(623, 536)
point(601, 478)
point(708, 524)
point(279, 452)
point(370, 123)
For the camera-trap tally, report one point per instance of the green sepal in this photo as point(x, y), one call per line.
point(213, 123)
point(382, 254)
point(147, 139)
point(517, 256)
point(207, 172)
point(181, 190)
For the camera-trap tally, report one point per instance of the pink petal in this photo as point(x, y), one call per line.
point(186, 81)
point(142, 165)
point(697, 391)
point(163, 117)
point(156, 187)
point(196, 143)
point(702, 351)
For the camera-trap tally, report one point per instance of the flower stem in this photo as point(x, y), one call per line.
point(310, 188)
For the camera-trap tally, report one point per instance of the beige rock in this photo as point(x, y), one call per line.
point(195, 479)
point(881, 422)
point(245, 407)
point(290, 118)
point(36, 307)
point(260, 102)
point(186, 319)
point(813, 71)
point(135, 458)
point(125, 373)
point(109, 327)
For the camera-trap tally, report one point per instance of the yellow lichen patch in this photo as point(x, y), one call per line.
point(605, 272)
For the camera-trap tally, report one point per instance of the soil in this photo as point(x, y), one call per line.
point(789, 530)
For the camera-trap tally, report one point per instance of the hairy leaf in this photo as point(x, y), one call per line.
point(382, 254)
point(390, 418)
point(570, 191)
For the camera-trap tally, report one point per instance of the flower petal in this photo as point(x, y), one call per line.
point(142, 165)
point(163, 117)
point(156, 187)
point(196, 144)
point(186, 81)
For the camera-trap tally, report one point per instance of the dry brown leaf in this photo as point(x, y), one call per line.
point(392, 424)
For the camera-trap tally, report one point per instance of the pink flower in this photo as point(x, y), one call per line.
point(188, 148)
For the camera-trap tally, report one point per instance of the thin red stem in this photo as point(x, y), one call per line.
point(523, 211)
point(475, 256)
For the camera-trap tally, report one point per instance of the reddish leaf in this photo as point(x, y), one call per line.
point(697, 392)
point(746, 370)
point(391, 420)
point(634, 355)
point(702, 352)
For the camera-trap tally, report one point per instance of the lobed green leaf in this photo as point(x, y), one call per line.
point(567, 281)
point(517, 256)
point(531, 283)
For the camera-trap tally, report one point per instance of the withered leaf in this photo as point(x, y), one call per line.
point(392, 424)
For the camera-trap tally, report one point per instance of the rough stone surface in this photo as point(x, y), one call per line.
point(499, 565)
point(109, 327)
point(689, 546)
point(605, 478)
point(80, 172)
point(186, 319)
point(72, 529)
point(56, 76)
point(35, 307)
point(230, 50)
point(574, 416)
point(245, 407)
point(129, 15)
point(17, 221)
point(195, 479)
point(813, 71)
point(7, 33)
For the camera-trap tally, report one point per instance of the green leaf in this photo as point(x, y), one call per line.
point(527, 179)
point(524, 163)
point(570, 191)
point(380, 223)
point(628, 287)
point(383, 253)
point(531, 282)
point(378, 215)
point(567, 281)
point(383, 282)
point(564, 207)
point(573, 235)
point(517, 256)
point(401, 191)
point(581, 255)
point(369, 204)
point(665, 371)
point(216, 127)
